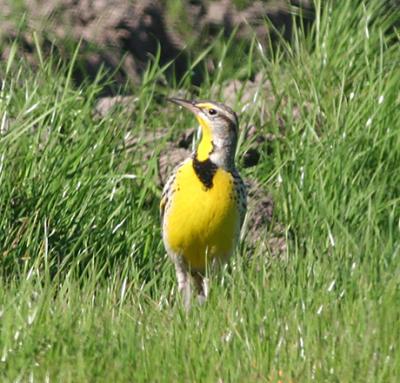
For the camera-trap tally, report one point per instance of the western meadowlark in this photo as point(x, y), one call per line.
point(203, 203)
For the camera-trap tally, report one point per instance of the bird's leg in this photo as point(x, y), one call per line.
point(183, 277)
point(201, 285)
point(206, 286)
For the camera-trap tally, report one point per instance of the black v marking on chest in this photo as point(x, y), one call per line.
point(205, 171)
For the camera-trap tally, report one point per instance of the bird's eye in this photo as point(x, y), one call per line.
point(212, 112)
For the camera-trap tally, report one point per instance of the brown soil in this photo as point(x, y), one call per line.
point(122, 35)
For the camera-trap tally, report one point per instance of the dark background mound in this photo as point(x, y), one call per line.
point(121, 36)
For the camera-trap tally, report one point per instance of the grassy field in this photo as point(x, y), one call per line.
point(86, 291)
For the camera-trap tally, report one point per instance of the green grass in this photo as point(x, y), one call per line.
point(86, 292)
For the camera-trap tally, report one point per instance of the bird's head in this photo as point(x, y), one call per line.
point(219, 130)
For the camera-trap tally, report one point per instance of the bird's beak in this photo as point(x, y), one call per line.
point(191, 105)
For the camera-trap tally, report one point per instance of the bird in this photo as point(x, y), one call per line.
point(204, 201)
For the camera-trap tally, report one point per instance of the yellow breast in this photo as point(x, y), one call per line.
point(201, 224)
